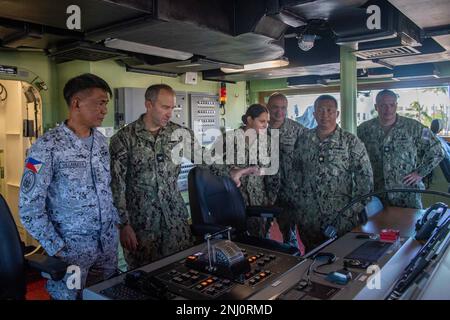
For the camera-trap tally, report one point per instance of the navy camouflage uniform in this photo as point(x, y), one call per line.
point(257, 190)
point(144, 185)
point(291, 133)
point(66, 204)
point(409, 146)
point(332, 172)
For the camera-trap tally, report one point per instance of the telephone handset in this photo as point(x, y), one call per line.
point(428, 222)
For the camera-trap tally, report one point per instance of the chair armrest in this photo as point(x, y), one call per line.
point(264, 212)
point(269, 244)
point(54, 267)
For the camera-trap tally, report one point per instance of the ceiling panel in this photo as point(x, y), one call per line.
point(94, 13)
point(425, 14)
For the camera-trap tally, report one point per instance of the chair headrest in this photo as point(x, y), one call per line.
point(12, 275)
point(436, 125)
point(215, 199)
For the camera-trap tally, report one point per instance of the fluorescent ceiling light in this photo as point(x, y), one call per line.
point(258, 66)
point(365, 38)
point(311, 85)
point(151, 72)
point(189, 65)
point(378, 76)
point(418, 77)
point(383, 63)
point(147, 49)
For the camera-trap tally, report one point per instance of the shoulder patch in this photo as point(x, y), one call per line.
point(33, 165)
point(28, 181)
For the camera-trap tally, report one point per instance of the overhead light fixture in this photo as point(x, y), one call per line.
point(259, 65)
point(384, 63)
point(417, 71)
point(209, 63)
point(151, 72)
point(418, 77)
point(306, 38)
point(147, 49)
point(188, 65)
point(306, 41)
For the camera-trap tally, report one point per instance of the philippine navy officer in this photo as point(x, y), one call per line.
point(65, 197)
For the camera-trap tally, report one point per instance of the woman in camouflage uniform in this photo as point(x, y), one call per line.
point(251, 144)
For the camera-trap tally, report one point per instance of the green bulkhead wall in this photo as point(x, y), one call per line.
point(36, 65)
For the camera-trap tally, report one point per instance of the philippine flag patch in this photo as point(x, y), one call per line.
point(34, 165)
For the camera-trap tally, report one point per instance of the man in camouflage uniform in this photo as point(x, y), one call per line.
point(65, 198)
point(154, 217)
point(290, 133)
point(402, 151)
point(334, 168)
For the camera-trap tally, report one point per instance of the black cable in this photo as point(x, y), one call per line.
point(357, 199)
point(36, 132)
point(34, 79)
point(3, 91)
point(315, 270)
point(330, 229)
point(421, 260)
point(303, 283)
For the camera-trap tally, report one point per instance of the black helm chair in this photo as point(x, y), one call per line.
point(217, 203)
point(13, 264)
